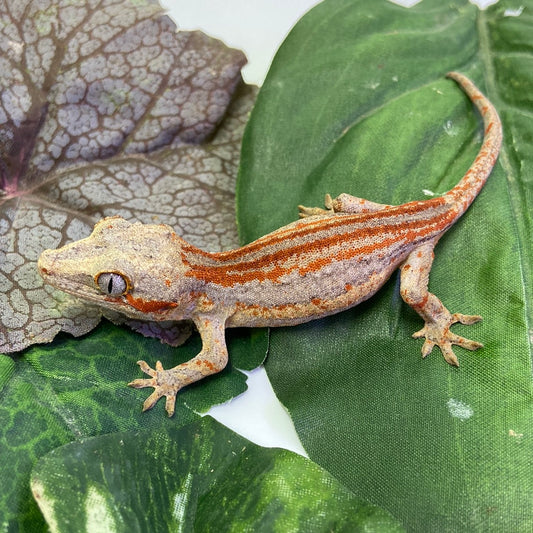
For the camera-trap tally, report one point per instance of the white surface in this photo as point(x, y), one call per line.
point(257, 27)
point(259, 416)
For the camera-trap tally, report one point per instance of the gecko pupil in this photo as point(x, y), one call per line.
point(110, 285)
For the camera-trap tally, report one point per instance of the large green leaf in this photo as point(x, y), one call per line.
point(356, 102)
point(202, 477)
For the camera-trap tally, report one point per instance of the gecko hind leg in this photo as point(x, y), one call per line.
point(314, 211)
point(212, 359)
point(438, 320)
point(344, 203)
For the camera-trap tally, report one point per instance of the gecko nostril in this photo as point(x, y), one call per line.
point(43, 263)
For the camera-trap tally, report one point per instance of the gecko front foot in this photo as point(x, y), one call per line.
point(165, 382)
point(440, 335)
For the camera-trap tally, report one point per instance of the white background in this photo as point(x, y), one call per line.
point(257, 27)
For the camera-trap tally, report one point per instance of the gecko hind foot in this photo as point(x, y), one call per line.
point(313, 211)
point(163, 381)
point(442, 337)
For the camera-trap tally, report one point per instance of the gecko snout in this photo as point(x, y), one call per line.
point(44, 262)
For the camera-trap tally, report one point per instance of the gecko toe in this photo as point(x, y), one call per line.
point(305, 212)
point(141, 383)
point(447, 352)
point(427, 348)
point(467, 320)
point(465, 343)
point(170, 404)
point(147, 369)
point(151, 400)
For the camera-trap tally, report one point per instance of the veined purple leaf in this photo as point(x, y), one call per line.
point(105, 109)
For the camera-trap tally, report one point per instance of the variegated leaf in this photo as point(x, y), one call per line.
point(105, 109)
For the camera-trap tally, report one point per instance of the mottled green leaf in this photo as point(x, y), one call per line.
point(202, 477)
point(356, 102)
point(74, 388)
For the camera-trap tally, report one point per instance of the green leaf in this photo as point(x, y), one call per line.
point(201, 477)
point(356, 102)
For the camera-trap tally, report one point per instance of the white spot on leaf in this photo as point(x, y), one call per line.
point(459, 410)
point(16, 46)
point(181, 500)
point(450, 129)
point(514, 434)
point(513, 12)
point(373, 85)
point(100, 518)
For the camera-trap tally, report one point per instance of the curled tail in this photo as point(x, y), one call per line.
point(472, 182)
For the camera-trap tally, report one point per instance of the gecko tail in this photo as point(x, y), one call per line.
point(463, 194)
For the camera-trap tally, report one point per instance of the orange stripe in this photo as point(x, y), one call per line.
point(288, 234)
point(316, 246)
point(149, 306)
point(268, 267)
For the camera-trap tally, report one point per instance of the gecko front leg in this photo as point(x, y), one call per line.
point(212, 359)
point(438, 320)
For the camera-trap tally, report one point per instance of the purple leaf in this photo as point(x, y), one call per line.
point(105, 109)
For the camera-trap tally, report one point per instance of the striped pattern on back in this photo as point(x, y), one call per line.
point(308, 245)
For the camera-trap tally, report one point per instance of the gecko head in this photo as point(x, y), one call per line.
point(129, 267)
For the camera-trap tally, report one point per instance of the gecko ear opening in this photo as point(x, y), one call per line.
point(113, 283)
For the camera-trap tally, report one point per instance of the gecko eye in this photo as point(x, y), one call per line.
point(113, 283)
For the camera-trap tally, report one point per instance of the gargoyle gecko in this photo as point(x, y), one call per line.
point(327, 261)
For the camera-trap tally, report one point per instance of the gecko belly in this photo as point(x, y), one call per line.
point(299, 311)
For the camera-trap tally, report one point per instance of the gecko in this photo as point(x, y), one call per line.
point(327, 261)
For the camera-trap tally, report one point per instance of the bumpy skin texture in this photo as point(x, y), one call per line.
point(329, 260)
